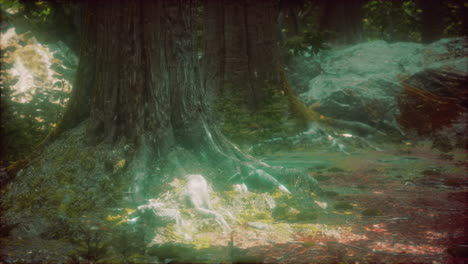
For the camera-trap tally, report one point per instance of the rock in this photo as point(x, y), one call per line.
point(434, 100)
point(368, 84)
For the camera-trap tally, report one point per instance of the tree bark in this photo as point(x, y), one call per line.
point(137, 71)
point(241, 44)
point(242, 56)
point(342, 19)
point(138, 82)
point(432, 20)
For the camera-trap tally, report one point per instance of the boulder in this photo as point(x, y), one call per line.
point(366, 83)
point(434, 102)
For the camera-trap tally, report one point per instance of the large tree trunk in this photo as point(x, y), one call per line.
point(136, 71)
point(138, 81)
point(137, 120)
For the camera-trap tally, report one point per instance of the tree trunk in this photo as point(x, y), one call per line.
point(242, 54)
point(138, 92)
point(138, 82)
point(137, 71)
point(432, 20)
point(342, 19)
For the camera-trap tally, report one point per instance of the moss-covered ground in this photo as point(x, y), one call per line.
point(406, 204)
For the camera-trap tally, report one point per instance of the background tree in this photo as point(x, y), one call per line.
point(50, 21)
point(432, 20)
point(243, 64)
point(342, 19)
point(392, 20)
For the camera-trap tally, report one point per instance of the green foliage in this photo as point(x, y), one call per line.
point(27, 124)
point(30, 113)
point(13, 4)
point(401, 20)
point(456, 11)
point(392, 20)
point(308, 38)
point(310, 41)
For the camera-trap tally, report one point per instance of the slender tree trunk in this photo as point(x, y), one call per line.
point(241, 44)
point(343, 20)
point(432, 20)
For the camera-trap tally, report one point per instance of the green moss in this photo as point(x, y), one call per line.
point(371, 212)
point(203, 242)
point(87, 161)
point(330, 194)
point(70, 155)
point(336, 169)
point(310, 244)
point(248, 259)
point(281, 229)
point(252, 214)
point(321, 177)
point(64, 178)
point(285, 212)
point(344, 205)
point(308, 215)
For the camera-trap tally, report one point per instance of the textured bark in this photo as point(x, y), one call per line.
point(138, 81)
point(291, 16)
point(137, 71)
point(242, 53)
point(432, 20)
point(343, 20)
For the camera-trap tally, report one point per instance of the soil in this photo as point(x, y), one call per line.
point(402, 206)
point(407, 207)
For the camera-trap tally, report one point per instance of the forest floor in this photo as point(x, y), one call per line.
point(408, 205)
point(402, 206)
